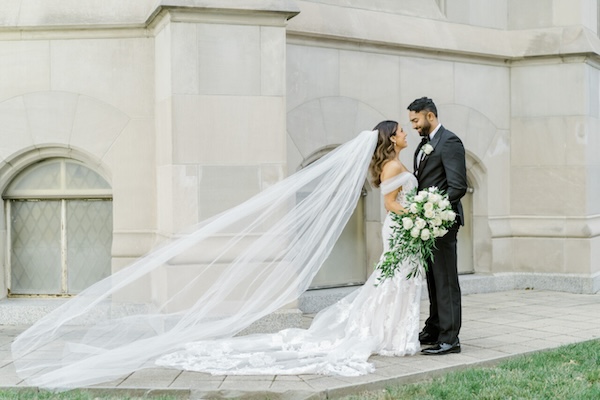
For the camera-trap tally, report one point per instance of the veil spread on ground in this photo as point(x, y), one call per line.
point(230, 271)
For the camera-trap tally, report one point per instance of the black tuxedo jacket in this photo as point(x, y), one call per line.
point(444, 167)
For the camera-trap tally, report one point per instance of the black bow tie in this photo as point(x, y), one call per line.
point(424, 140)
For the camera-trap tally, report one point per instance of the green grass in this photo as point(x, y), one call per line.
point(569, 372)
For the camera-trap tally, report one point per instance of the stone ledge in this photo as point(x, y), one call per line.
point(500, 282)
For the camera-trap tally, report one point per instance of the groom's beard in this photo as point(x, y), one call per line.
point(426, 129)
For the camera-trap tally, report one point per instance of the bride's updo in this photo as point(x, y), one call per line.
point(384, 150)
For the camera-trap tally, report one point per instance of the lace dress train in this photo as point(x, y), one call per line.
point(374, 319)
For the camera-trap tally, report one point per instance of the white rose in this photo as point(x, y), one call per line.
point(437, 221)
point(443, 215)
point(436, 231)
point(433, 188)
point(444, 203)
point(407, 223)
point(420, 223)
point(415, 232)
point(451, 215)
point(428, 206)
point(443, 232)
point(427, 149)
point(425, 234)
point(429, 214)
point(413, 208)
point(435, 198)
point(419, 197)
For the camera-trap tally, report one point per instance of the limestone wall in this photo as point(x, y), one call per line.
point(523, 96)
point(188, 107)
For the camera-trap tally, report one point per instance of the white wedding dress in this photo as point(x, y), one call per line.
point(382, 319)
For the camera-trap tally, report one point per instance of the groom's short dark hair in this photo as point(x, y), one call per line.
point(423, 104)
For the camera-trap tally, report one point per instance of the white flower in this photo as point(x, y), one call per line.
point(427, 148)
point(429, 217)
point(451, 215)
point(435, 198)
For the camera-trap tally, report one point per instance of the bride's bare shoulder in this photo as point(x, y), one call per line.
point(391, 169)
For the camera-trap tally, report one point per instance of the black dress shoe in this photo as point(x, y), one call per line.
point(442, 348)
point(427, 338)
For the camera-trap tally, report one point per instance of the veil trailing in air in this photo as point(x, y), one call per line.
point(232, 270)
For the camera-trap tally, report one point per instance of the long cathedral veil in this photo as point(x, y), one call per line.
point(232, 270)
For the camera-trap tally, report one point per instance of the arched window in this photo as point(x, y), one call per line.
point(59, 228)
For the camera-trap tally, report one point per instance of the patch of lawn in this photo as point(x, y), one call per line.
point(569, 372)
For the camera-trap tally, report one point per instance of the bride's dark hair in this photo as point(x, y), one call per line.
point(384, 150)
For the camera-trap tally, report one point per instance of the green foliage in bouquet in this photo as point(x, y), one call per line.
point(428, 216)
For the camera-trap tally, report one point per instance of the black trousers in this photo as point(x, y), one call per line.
point(444, 290)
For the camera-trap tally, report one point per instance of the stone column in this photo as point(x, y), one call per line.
point(220, 105)
point(554, 173)
point(551, 235)
point(220, 108)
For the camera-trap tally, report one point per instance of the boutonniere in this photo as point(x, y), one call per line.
point(427, 149)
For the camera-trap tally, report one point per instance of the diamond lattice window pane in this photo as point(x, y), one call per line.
point(35, 247)
point(37, 257)
point(44, 176)
point(89, 239)
point(81, 177)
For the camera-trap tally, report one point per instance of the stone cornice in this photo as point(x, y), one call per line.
point(285, 7)
point(70, 14)
point(216, 16)
point(20, 16)
point(394, 31)
point(261, 12)
point(316, 23)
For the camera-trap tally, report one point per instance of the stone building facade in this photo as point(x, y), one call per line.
point(123, 123)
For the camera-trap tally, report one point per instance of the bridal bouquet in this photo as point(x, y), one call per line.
point(429, 216)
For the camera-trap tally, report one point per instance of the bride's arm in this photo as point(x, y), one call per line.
point(390, 203)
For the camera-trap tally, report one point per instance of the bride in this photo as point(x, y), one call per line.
point(382, 319)
point(234, 269)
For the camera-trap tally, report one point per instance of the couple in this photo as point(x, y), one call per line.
point(379, 318)
point(247, 262)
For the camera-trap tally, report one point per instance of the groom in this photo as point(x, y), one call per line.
point(441, 164)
